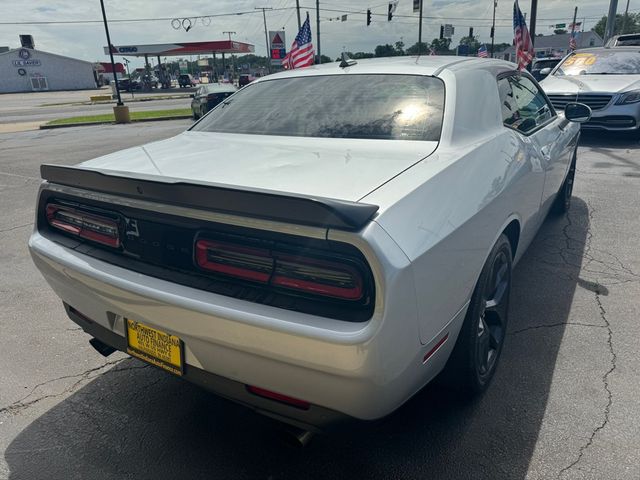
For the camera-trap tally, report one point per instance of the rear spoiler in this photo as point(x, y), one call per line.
point(265, 204)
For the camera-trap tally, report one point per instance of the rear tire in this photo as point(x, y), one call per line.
point(475, 356)
point(562, 203)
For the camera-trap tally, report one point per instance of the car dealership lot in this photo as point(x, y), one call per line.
point(564, 402)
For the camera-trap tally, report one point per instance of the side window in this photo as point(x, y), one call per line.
point(524, 107)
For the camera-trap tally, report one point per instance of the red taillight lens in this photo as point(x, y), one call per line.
point(318, 277)
point(278, 397)
point(301, 273)
point(243, 262)
point(93, 227)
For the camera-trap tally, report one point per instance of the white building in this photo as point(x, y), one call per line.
point(555, 45)
point(27, 70)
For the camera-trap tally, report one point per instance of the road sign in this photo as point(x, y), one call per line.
point(449, 30)
point(277, 47)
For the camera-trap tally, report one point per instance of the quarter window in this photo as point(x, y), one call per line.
point(524, 106)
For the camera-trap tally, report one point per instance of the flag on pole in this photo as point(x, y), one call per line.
point(302, 52)
point(522, 39)
point(573, 44)
point(482, 51)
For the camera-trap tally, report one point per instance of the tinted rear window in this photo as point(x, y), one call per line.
point(398, 107)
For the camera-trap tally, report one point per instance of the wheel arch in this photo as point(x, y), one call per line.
point(512, 232)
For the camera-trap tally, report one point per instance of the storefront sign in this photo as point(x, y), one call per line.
point(27, 63)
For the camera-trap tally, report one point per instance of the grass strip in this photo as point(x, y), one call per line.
point(108, 117)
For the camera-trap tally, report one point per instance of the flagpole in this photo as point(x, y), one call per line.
point(318, 29)
point(493, 25)
point(573, 25)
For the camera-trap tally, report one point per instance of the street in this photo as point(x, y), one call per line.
point(564, 402)
point(46, 106)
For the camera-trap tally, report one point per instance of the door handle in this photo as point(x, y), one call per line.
point(546, 152)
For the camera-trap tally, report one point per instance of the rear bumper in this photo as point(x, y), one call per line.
point(315, 418)
point(360, 370)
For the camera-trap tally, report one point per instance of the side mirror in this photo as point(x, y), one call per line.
point(577, 112)
point(192, 95)
point(545, 71)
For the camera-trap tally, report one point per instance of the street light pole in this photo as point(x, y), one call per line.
point(532, 22)
point(611, 20)
point(420, 30)
point(113, 63)
point(120, 111)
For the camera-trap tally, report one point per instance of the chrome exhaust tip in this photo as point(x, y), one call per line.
point(297, 437)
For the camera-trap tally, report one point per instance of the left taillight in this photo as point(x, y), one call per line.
point(98, 228)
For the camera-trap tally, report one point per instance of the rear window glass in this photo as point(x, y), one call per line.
point(398, 107)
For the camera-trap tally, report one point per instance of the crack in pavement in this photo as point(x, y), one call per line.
point(605, 381)
point(551, 325)
point(21, 404)
point(16, 227)
point(613, 356)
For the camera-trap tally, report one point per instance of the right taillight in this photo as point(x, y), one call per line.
point(296, 272)
point(76, 222)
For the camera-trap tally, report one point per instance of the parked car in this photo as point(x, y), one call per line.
point(245, 79)
point(185, 80)
point(545, 64)
point(313, 260)
point(128, 84)
point(605, 79)
point(208, 96)
point(625, 40)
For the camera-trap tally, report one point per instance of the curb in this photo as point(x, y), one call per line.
point(86, 124)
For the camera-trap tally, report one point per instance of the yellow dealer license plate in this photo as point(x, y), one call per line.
point(155, 347)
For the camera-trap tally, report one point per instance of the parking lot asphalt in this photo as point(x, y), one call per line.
point(565, 402)
point(23, 108)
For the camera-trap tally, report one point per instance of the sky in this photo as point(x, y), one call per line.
point(86, 41)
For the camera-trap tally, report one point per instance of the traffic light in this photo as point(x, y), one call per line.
point(441, 32)
point(471, 32)
point(390, 14)
point(368, 17)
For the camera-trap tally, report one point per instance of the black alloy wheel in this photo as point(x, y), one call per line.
point(475, 356)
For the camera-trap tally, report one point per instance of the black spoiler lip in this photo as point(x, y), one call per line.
point(264, 204)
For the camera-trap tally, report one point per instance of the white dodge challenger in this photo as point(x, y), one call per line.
point(325, 241)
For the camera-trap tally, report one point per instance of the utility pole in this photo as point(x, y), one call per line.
point(493, 26)
point(611, 20)
point(532, 22)
point(626, 18)
point(266, 35)
point(230, 33)
point(420, 30)
point(318, 30)
point(298, 12)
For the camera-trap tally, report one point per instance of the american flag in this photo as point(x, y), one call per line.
point(302, 52)
point(573, 44)
point(524, 47)
point(482, 51)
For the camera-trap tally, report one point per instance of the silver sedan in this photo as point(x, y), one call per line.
point(325, 241)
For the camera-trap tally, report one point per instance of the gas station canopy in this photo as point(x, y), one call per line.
point(181, 49)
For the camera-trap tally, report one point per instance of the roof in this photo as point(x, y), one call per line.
point(45, 53)
point(181, 49)
point(430, 65)
point(219, 87)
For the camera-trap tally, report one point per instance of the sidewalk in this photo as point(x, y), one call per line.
point(20, 127)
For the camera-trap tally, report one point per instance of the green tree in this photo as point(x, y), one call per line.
point(472, 43)
point(441, 45)
point(385, 51)
point(631, 25)
point(417, 48)
point(325, 59)
point(400, 48)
